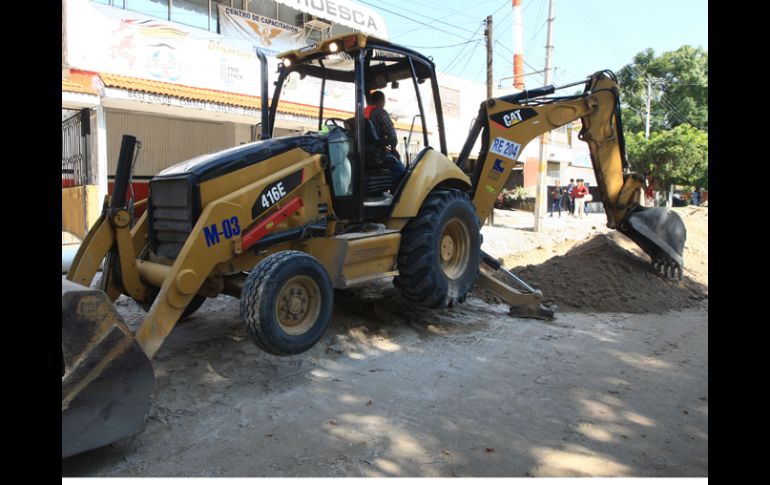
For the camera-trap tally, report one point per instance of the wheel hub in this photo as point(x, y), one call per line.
point(455, 248)
point(298, 305)
point(447, 248)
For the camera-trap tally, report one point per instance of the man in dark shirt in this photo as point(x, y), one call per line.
point(375, 112)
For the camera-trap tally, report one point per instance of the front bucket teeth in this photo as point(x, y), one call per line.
point(668, 268)
point(661, 233)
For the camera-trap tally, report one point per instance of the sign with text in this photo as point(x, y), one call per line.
point(345, 12)
point(116, 41)
point(271, 35)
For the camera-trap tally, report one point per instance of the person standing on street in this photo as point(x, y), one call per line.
point(588, 198)
point(569, 190)
point(695, 197)
point(566, 202)
point(579, 193)
point(649, 192)
point(556, 195)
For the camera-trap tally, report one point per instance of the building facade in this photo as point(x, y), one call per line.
point(182, 76)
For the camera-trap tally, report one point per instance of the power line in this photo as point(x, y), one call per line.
point(440, 46)
point(589, 16)
point(500, 22)
point(525, 62)
point(468, 61)
point(417, 21)
point(500, 7)
point(537, 21)
point(478, 73)
point(444, 6)
point(509, 59)
point(670, 105)
point(459, 54)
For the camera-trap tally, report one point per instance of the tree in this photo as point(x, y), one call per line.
point(678, 156)
point(679, 82)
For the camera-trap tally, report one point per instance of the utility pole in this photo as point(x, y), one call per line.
point(518, 46)
point(541, 195)
point(647, 133)
point(647, 120)
point(490, 84)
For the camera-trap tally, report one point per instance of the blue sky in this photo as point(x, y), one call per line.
point(589, 35)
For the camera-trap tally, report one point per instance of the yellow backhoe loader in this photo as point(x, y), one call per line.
point(282, 222)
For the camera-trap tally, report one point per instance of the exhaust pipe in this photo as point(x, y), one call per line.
point(263, 102)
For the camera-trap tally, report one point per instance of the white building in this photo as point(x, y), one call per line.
point(183, 77)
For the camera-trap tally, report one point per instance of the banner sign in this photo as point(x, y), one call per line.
point(270, 35)
point(346, 12)
point(116, 41)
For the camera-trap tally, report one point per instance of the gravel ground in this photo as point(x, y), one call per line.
point(468, 391)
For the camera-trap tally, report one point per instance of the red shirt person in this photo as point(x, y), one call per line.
point(579, 194)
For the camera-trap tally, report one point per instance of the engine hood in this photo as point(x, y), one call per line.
point(213, 165)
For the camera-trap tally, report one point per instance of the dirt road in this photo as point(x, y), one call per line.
point(392, 391)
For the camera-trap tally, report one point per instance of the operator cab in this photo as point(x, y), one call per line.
point(365, 177)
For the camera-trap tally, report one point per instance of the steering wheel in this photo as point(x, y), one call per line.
point(333, 122)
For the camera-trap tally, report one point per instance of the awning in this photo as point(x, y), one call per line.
point(210, 95)
point(346, 12)
point(78, 82)
point(171, 91)
point(78, 92)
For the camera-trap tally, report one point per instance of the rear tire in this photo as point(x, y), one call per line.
point(440, 253)
point(287, 302)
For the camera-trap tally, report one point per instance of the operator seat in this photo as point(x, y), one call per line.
point(381, 167)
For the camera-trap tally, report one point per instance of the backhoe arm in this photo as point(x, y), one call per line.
point(509, 123)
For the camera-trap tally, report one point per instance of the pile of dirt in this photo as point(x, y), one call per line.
point(601, 276)
point(608, 272)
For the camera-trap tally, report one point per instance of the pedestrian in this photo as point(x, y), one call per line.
point(556, 195)
point(565, 200)
point(649, 193)
point(695, 200)
point(579, 194)
point(569, 190)
point(588, 198)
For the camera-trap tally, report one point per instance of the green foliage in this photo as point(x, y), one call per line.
point(679, 89)
point(678, 156)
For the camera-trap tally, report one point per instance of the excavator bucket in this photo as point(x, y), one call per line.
point(107, 380)
point(660, 232)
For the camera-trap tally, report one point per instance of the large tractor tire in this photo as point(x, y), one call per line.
point(440, 252)
point(287, 302)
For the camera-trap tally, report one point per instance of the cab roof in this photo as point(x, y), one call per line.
point(388, 62)
point(349, 42)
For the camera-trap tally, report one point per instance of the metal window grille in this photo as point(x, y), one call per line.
point(74, 162)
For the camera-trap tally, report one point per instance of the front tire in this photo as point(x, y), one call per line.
point(440, 253)
point(287, 303)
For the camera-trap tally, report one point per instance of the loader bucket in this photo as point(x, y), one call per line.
point(660, 232)
point(107, 380)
